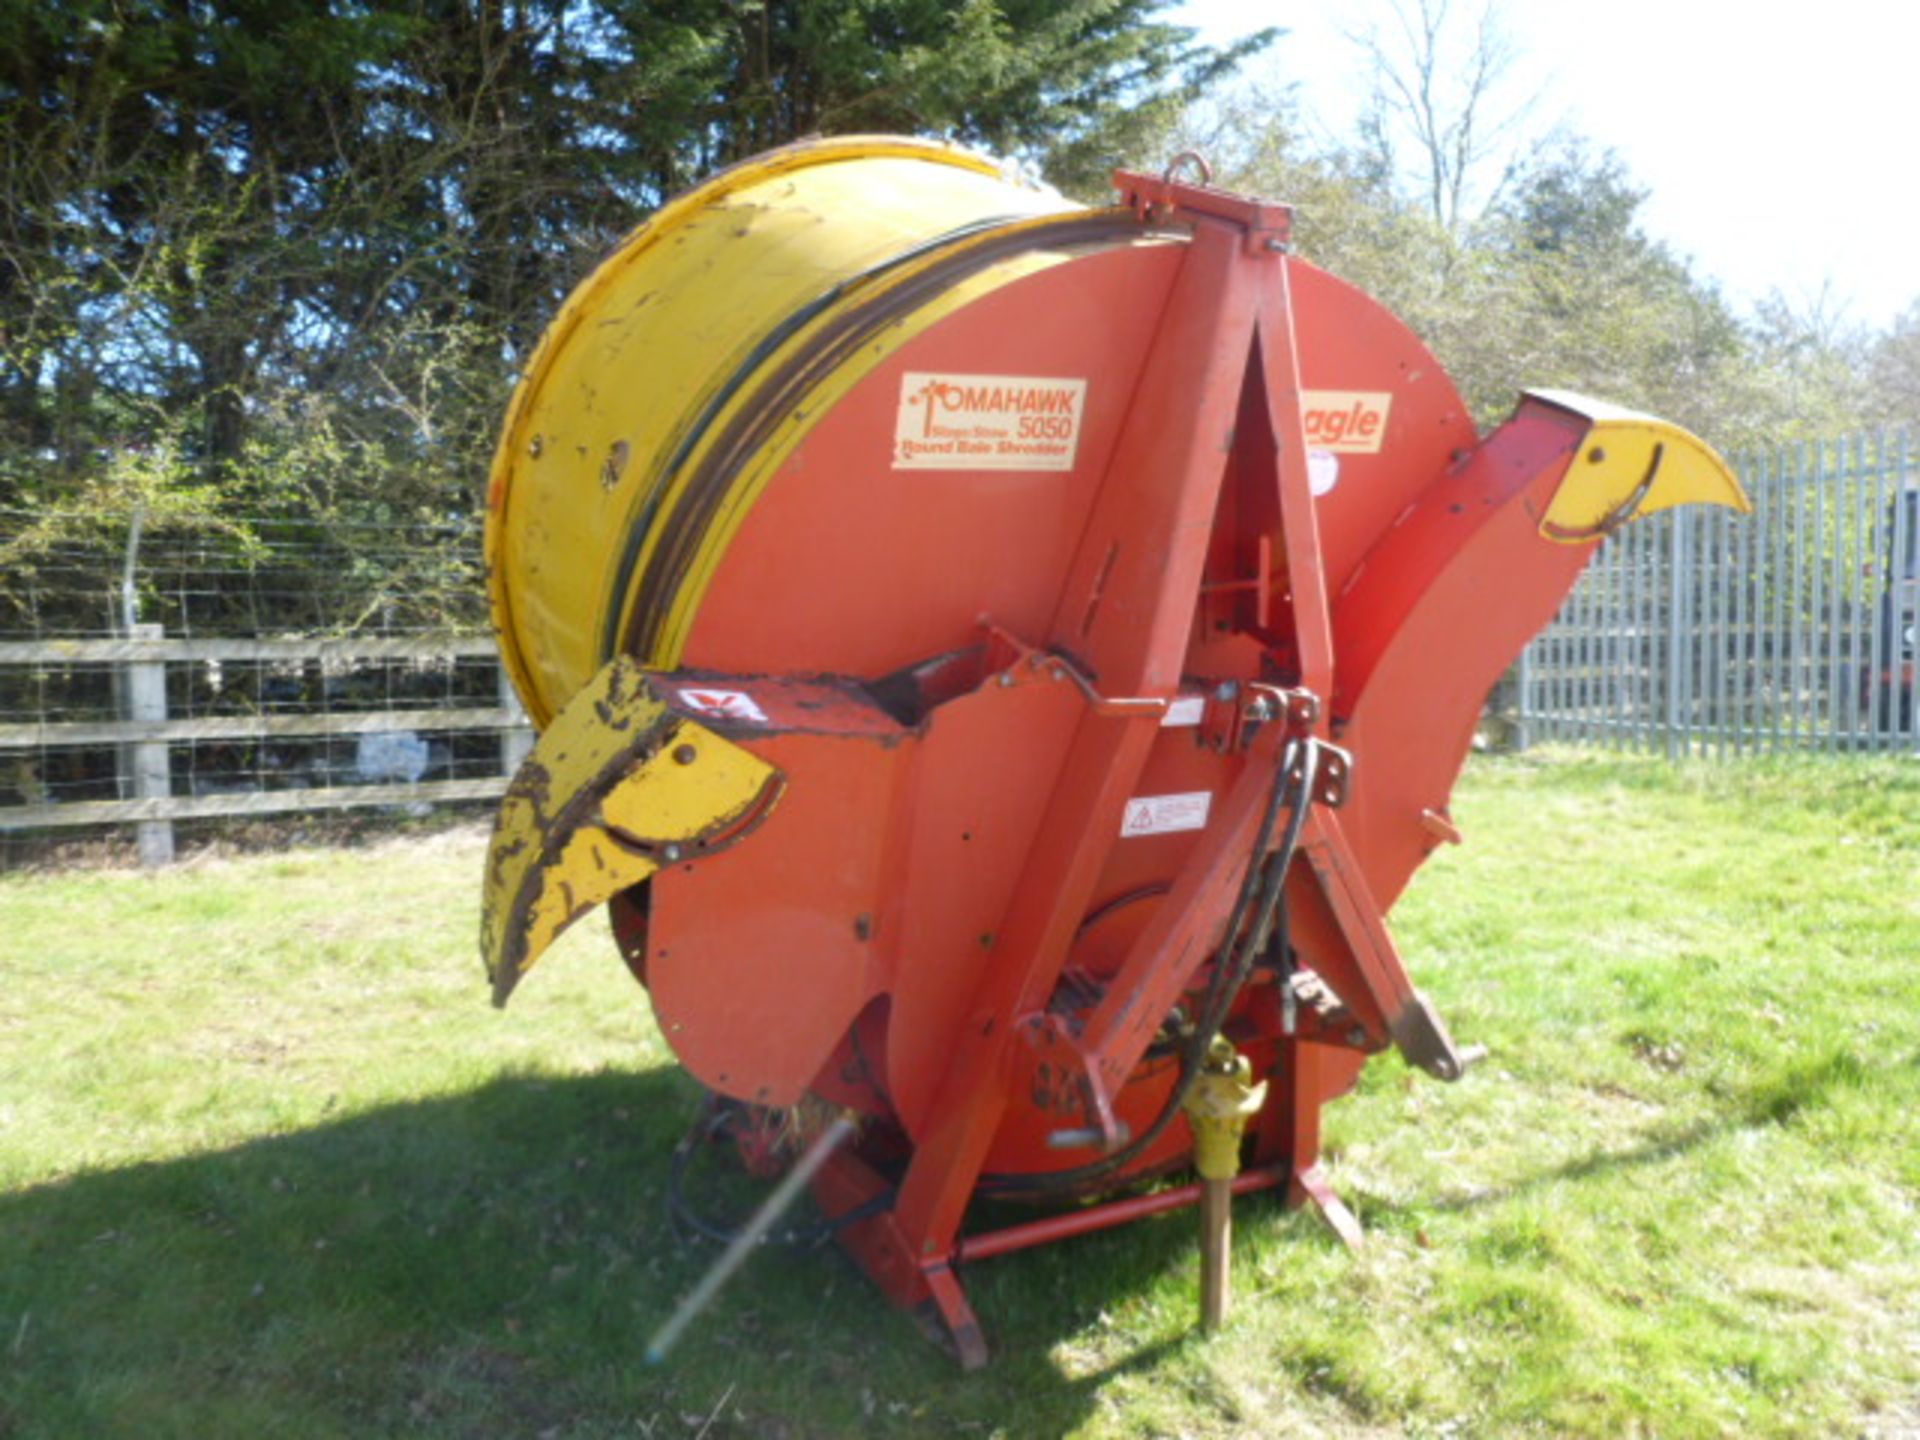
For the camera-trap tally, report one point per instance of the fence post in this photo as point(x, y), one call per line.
point(1677, 631)
point(514, 744)
point(146, 699)
point(1906, 544)
point(1523, 700)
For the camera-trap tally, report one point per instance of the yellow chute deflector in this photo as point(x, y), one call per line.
point(1629, 466)
point(618, 786)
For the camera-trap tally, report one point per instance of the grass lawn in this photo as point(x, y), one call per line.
point(269, 1164)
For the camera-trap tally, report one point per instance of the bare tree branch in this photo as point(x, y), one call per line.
point(1443, 90)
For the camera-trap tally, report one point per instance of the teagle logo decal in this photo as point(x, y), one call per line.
point(987, 422)
point(1345, 422)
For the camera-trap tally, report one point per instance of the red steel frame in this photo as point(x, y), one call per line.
point(1127, 608)
point(1186, 555)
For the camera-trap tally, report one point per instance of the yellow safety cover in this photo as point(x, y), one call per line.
point(664, 341)
point(619, 785)
point(1631, 465)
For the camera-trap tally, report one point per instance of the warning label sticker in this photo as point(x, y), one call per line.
point(987, 422)
point(728, 704)
point(1165, 814)
point(1345, 422)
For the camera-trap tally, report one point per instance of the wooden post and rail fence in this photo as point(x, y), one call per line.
point(145, 734)
point(1690, 634)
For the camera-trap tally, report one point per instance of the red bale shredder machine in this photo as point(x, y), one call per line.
point(999, 662)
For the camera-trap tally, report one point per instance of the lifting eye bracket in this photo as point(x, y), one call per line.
point(1268, 225)
point(1188, 157)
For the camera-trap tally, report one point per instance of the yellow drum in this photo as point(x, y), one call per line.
point(726, 321)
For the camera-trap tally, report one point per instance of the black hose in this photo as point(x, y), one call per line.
point(1263, 895)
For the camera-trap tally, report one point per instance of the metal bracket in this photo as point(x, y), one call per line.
point(1260, 583)
point(1267, 224)
point(1299, 711)
point(1056, 666)
point(1421, 1036)
point(1121, 706)
point(1334, 776)
point(1060, 1051)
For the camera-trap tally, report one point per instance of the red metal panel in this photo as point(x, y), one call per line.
point(758, 959)
point(1349, 343)
point(981, 786)
point(849, 566)
point(1444, 603)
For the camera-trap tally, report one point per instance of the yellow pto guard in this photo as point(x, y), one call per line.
point(618, 786)
point(1629, 466)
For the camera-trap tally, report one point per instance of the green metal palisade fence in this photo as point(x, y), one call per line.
point(1703, 632)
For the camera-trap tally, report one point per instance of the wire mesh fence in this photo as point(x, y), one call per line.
point(1707, 632)
point(264, 666)
point(92, 574)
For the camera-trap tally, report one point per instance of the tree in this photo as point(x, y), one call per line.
point(1443, 88)
point(1619, 314)
point(1072, 86)
point(286, 253)
point(1809, 364)
point(1557, 285)
point(1893, 372)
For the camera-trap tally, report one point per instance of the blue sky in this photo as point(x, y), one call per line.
point(1781, 144)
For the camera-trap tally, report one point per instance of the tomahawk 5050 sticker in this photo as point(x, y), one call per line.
point(987, 422)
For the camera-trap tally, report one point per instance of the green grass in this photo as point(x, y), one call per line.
point(270, 1164)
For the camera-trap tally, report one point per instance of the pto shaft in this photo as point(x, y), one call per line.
point(1218, 1107)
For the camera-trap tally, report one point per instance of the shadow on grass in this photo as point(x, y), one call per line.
point(1776, 1101)
point(492, 1263)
